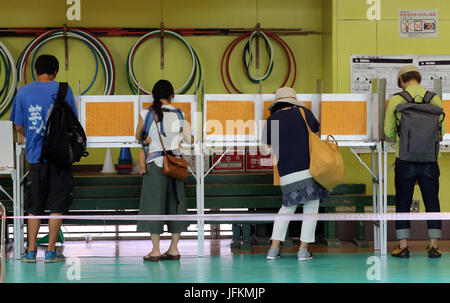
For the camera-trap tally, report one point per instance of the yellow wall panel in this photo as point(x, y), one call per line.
point(389, 9)
point(389, 41)
point(353, 37)
point(357, 9)
point(352, 9)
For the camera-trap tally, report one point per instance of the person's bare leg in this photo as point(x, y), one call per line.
point(434, 243)
point(32, 232)
point(54, 225)
point(276, 243)
point(173, 249)
point(156, 252)
point(304, 246)
point(403, 243)
point(142, 163)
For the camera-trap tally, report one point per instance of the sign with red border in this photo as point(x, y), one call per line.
point(418, 24)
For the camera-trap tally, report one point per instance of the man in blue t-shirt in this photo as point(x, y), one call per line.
point(32, 107)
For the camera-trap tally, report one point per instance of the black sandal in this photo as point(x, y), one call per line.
point(166, 256)
point(151, 258)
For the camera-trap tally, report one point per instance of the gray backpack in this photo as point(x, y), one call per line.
point(419, 129)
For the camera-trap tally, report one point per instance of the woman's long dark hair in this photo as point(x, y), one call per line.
point(162, 89)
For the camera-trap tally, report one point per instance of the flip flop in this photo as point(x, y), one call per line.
point(151, 258)
point(166, 256)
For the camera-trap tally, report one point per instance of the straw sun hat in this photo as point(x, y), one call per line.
point(286, 94)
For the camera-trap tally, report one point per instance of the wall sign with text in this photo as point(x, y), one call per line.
point(418, 24)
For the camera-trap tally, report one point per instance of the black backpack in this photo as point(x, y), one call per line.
point(64, 141)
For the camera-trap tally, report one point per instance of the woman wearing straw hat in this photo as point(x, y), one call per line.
point(286, 134)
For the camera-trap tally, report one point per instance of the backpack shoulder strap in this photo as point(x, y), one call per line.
point(179, 115)
point(146, 131)
point(405, 95)
point(62, 91)
point(148, 121)
point(428, 97)
point(181, 118)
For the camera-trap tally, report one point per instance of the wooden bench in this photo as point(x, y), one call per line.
point(99, 194)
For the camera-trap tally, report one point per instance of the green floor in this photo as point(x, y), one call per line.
point(347, 268)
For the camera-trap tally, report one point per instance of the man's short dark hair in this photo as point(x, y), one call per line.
point(46, 64)
point(406, 77)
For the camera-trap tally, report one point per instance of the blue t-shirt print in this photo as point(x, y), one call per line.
point(35, 119)
point(32, 107)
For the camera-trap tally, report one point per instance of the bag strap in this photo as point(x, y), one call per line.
point(407, 96)
point(62, 91)
point(159, 134)
point(302, 111)
point(428, 97)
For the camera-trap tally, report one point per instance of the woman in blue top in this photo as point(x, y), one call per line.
point(287, 135)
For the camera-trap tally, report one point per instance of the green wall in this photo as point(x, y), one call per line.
point(305, 14)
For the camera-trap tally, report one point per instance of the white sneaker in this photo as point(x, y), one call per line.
point(304, 255)
point(273, 253)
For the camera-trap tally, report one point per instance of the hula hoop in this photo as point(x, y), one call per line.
point(134, 84)
point(225, 62)
point(93, 53)
point(97, 45)
point(10, 83)
point(247, 50)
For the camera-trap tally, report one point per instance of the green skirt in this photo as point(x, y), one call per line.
point(161, 195)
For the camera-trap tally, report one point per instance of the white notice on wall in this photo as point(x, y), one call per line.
point(435, 67)
point(418, 23)
point(365, 68)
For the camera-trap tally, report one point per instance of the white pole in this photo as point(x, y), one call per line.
point(2, 245)
point(200, 211)
point(385, 172)
point(374, 201)
point(380, 191)
point(18, 230)
point(21, 175)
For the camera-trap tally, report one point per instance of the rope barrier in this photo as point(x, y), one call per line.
point(257, 217)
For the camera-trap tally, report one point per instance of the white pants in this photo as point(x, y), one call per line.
point(280, 226)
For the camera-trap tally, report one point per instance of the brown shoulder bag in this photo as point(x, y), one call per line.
point(173, 167)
